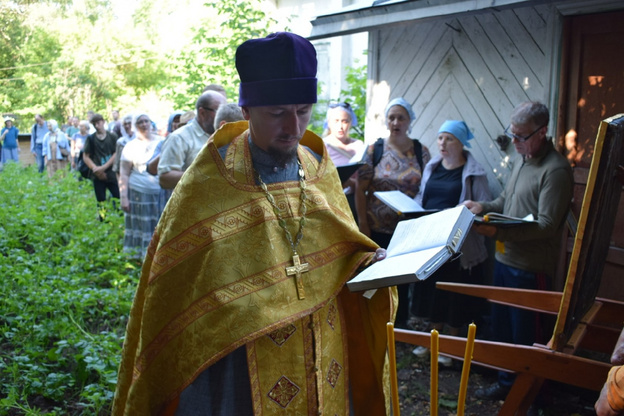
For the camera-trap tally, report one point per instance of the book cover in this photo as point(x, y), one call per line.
point(500, 220)
point(417, 249)
point(345, 171)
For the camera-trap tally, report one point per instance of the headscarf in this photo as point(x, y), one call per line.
point(459, 129)
point(136, 117)
point(346, 107)
point(124, 133)
point(54, 124)
point(401, 101)
point(170, 122)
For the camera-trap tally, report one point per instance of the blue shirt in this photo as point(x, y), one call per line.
point(36, 135)
point(10, 140)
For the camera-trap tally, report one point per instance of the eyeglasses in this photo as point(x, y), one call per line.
point(209, 109)
point(520, 138)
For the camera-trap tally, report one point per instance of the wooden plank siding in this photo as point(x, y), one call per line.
point(475, 67)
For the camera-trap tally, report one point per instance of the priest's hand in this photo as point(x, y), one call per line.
point(380, 254)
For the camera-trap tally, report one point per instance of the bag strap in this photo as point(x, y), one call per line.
point(418, 153)
point(377, 151)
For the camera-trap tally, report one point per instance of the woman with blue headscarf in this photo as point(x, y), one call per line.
point(55, 143)
point(395, 163)
point(340, 146)
point(450, 178)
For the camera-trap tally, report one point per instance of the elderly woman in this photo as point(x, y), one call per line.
point(395, 163)
point(340, 147)
point(55, 148)
point(450, 178)
point(127, 134)
point(78, 141)
point(139, 190)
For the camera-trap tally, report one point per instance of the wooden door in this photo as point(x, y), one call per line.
point(592, 89)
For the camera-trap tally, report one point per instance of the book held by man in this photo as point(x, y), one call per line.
point(500, 220)
point(418, 248)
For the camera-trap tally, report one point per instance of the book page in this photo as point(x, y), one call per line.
point(399, 201)
point(359, 155)
point(395, 270)
point(425, 232)
point(498, 216)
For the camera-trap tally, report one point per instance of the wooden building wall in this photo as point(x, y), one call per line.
point(478, 66)
point(475, 68)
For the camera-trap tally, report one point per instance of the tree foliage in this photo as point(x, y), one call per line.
point(210, 56)
point(62, 58)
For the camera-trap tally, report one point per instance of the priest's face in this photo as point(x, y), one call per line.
point(278, 129)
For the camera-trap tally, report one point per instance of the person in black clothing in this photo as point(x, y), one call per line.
point(99, 154)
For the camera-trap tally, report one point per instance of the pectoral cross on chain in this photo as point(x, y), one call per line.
point(296, 270)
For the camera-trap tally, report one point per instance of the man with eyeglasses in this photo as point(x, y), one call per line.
point(181, 147)
point(526, 256)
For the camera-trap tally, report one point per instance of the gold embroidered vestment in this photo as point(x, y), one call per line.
point(214, 279)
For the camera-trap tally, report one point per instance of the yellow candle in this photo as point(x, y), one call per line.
point(463, 384)
point(435, 346)
point(394, 385)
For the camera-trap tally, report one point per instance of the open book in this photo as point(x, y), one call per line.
point(417, 249)
point(401, 203)
point(500, 220)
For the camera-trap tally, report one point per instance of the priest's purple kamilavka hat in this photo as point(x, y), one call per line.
point(277, 70)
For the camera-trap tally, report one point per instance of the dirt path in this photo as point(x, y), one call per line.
point(414, 380)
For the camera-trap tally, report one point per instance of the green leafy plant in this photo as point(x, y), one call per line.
point(210, 56)
point(67, 288)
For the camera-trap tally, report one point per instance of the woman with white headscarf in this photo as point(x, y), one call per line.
point(451, 177)
point(139, 190)
point(55, 143)
point(395, 163)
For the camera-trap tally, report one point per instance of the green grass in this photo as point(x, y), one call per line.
point(67, 289)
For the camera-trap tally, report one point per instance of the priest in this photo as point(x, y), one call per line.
point(242, 307)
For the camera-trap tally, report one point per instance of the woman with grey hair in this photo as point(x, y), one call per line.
point(139, 191)
point(127, 134)
point(78, 141)
point(392, 164)
point(55, 148)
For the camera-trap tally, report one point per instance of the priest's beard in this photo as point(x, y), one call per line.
point(283, 156)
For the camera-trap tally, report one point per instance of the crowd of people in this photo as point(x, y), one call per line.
point(128, 161)
point(255, 204)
